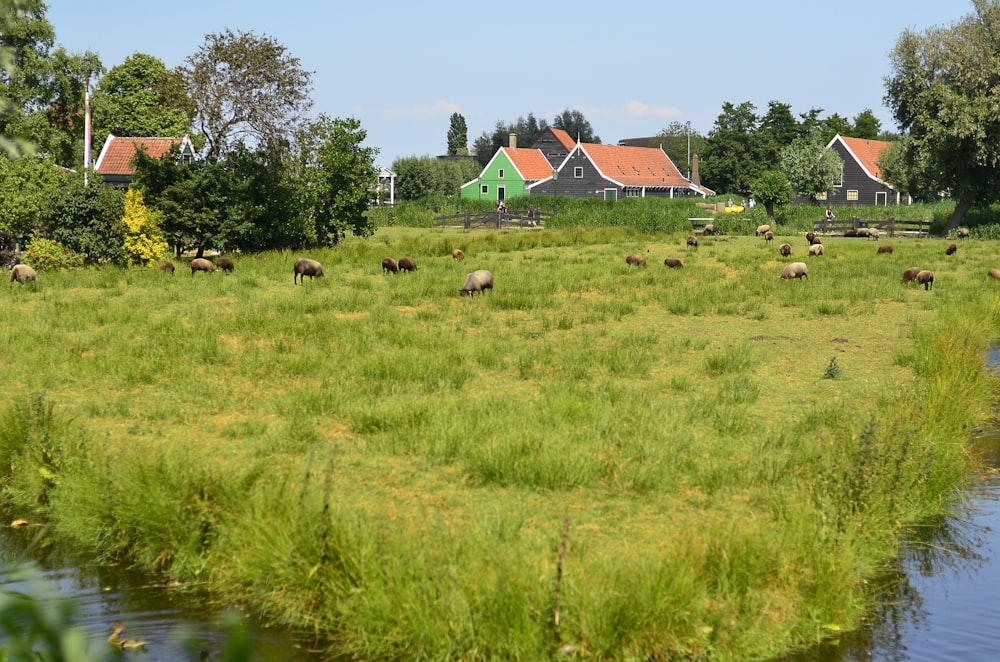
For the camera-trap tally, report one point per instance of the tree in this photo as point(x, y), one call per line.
point(527, 130)
point(810, 167)
point(418, 177)
point(246, 88)
point(27, 187)
point(942, 95)
point(458, 136)
point(771, 189)
point(86, 219)
point(673, 139)
point(144, 242)
point(141, 97)
point(777, 129)
point(733, 156)
point(576, 125)
point(866, 125)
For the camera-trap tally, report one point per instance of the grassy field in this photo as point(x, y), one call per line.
point(593, 460)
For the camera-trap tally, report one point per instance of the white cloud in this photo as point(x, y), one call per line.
point(632, 109)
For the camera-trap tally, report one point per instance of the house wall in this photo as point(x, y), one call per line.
point(589, 185)
point(511, 182)
point(855, 179)
point(550, 146)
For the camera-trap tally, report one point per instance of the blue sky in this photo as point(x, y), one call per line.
point(403, 67)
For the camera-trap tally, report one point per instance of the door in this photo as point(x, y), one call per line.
point(501, 193)
point(881, 198)
point(610, 194)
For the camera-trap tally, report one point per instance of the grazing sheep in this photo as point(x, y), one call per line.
point(637, 260)
point(995, 274)
point(226, 265)
point(927, 278)
point(873, 233)
point(815, 240)
point(910, 274)
point(389, 266)
point(785, 250)
point(816, 249)
point(850, 232)
point(711, 230)
point(795, 270)
point(458, 254)
point(407, 264)
point(692, 241)
point(673, 263)
point(201, 264)
point(963, 233)
point(951, 249)
point(883, 249)
point(809, 237)
point(761, 229)
point(768, 237)
point(167, 266)
point(306, 267)
point(477, 281)
point(22, 273)
point(863, 232)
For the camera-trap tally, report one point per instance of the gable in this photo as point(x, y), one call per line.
point(117, 154)
point(863, 152)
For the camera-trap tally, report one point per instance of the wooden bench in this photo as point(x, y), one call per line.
point(698, 223)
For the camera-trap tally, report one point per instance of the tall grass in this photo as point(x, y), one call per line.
point(591, 458)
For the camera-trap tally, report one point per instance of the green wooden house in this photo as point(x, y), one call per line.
point(508, 174)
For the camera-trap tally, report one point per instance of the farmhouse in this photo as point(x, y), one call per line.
point(115, 165)
point(861, 181)
point(509, 173)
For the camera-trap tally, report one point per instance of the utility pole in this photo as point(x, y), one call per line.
point(689, 150)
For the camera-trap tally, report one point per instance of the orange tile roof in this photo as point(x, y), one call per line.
point(117, 154)
point(866, 152)
point(531, 163)
point(635, 166)
point(564, 137)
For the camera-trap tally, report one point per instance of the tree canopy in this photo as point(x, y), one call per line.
point(458, 136)
point(576, 125)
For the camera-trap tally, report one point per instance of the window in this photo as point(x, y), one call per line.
point(852, 195)
point(500, 173)
point(632, 192)
point(841, 182)
point(484, 189)
point(578, 172)
point(821, 196)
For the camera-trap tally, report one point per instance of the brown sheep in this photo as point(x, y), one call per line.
point(910, 274)
point(951, 249)
point(167, 266)
point(768, 237)
point(850, 232)
point(407, 264)
point(809, 237)
point(995, 274)
point(201, 264)
point(226, 265)
point(637, 260)
point(795, 270)
point(692, 241)
point(815, 240)
point(785, 250)
point(389, 266)
point(816, 249)
point(22, 273)
point(883, 249)
point(927, 278)
point(673, 263)
point(306, 267)
point(458, 254)
point(761, 229)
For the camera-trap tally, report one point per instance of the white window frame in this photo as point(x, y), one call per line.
point(484, 189)
point(852, 195)
point(578, 172)
point(499, 173)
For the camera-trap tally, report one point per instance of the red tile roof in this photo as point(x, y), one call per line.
point(866, 152)
point(531, 163)
point(564, 137)
point(635, 166)
point(117, 154)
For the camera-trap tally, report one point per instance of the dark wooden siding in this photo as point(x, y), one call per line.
point(550, 146)
point(855, 179)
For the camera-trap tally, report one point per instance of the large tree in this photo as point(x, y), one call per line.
point(246, 89)
point(458, 135)
point(680, 142)
point(577, 126)
point(527, 129)
point(141, 97)
point(810, 167)
point(942, 92)
point(733, 157)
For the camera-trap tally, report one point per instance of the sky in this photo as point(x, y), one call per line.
point(402, 67)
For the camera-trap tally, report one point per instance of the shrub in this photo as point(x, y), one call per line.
point(48, 255)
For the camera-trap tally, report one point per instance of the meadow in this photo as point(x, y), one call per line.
point(593, 460)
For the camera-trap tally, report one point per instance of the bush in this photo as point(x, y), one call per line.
point(48, 255)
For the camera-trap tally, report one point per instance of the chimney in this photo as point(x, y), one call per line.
point(695, 177)
point(513, 140)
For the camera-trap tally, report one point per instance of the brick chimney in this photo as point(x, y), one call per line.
point(513, 140)
point(695, 177)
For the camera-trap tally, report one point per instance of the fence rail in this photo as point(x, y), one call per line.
point(890, 228)
point(491, 219)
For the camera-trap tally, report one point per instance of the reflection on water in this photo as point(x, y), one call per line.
point(175, 621)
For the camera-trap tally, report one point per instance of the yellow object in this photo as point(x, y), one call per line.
point(734, 209)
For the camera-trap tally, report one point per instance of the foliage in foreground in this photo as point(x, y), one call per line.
point(591, 458)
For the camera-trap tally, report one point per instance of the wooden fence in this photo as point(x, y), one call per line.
point(493, 219)
point(889, 228)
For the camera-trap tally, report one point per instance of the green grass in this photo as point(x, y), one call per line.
point(630, 463)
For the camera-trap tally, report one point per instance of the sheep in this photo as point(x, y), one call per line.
point(927, 278)
point(637, 260)
point(768, 237)
point(692, 241)
point(850, 232)
point(477, 281)
point(815, 240)
point(306, 267)
point(910, 274)
point(761, 229)
point(963, 233)
point(995, 274)
point(407, 264)
point(873, 233)
point(785, 250)
point(863, 232)
point(201, 264)
point(458, 254)
point(389, 266)
point(167, 266)
point(816, 249)
point(951, 249)
point(22, 273)
point(809, 237)
point(883, 249)
point(673, 263)
point(710, 229)
point(795, 270)
point(226, 265)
